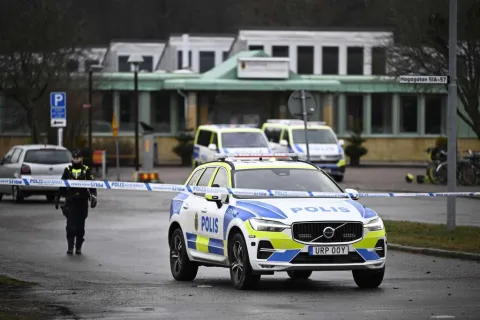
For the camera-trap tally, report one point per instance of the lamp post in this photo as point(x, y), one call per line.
point(91, 69)
point(135, 60)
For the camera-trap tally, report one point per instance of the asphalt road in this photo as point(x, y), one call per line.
point(124, 273)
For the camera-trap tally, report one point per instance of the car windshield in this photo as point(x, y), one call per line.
point(48, 156)
point(320, 136)
point(284, 179)
point(244, 140)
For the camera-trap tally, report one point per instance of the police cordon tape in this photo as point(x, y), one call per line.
point(160, 187)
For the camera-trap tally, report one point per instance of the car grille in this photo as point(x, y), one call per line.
point(305, 258)
point(313, 232)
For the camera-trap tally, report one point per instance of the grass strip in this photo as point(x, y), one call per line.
point(435, 236)
point(7, 281)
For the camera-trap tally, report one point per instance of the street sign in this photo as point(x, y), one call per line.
point(58, 109)
point(295, 103)
point(424, 79)
point(114, 125)
point(302, 103)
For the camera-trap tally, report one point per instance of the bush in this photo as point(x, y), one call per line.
point(354, 150)
point(184, 149)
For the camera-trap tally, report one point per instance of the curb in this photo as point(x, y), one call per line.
point(388, 166)
point(436, 252)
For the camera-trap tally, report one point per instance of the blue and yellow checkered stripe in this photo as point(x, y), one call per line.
point(205, 244)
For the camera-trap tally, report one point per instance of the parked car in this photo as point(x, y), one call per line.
point(39, 161)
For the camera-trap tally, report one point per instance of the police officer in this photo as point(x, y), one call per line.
point(76, 202)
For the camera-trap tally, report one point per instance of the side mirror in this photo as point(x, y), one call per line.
point(341, 142)
point(212, 147)
point(219, 198)
point(284, 143)
point(353, 193)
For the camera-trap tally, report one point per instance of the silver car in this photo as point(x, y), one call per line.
point(39, 161)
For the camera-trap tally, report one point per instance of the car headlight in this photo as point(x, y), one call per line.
point(375, 225)
point(267, 225)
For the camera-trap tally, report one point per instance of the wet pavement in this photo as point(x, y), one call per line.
point(124, 272)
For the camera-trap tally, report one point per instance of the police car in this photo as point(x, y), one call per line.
point(257, 234)
point(227, 138)
point(326, 150)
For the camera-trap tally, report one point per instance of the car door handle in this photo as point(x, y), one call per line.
point(185, 206)
point(204, 210)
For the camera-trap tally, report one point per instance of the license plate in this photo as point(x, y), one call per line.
point(328, 251)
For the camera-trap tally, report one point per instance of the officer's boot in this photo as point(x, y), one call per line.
point(78, 247)
point(71, 244)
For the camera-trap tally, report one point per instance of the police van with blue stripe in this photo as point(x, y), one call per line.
point(255, 235)
point(227, 138)
point(326, 150)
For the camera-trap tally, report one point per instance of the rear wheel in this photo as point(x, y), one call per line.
point(240, 268)
point(368, 279)
point(180, 265)
point(299, 274)
point(17, 195)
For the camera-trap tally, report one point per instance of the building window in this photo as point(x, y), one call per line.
point(102, 112)
point(354, 112)
point(123, 65)
point(408, 114)
point(206, 60)
point(126, 115)
point(330, 60)
point(89, 63)
point(180, 59)
point(379, 61)
point(72, 65)
point(147, 64)
point(355, 60)
point(382, 113)
point(255, 48)
point(160, 111)
point(224, 55)
point(435, 110)
point(304, 60)
point(280, 51)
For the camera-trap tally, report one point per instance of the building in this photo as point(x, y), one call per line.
point(190, 80)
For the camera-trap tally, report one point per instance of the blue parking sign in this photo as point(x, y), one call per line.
point(58, 109)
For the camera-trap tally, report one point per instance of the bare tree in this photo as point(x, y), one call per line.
point(38, 38)
point(422, 47)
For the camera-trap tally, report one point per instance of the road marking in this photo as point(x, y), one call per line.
point(443, 317)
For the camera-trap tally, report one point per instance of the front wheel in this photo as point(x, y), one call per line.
point(338, 178)
point(240, 268)
point(50, 197)
point(180, 265)
point(368, 279)
point(300, 274)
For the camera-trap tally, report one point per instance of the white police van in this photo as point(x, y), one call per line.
point(325, 148)
point(227, 138)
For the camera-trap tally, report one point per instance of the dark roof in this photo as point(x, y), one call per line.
point(328, 29)
point(225, 35)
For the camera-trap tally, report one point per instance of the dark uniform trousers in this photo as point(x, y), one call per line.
point(77, 202)
point(77, 214)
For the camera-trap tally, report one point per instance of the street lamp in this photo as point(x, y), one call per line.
point(135, 60)
point(91, 69)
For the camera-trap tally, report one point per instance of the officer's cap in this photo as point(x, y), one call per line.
point(76, 153)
